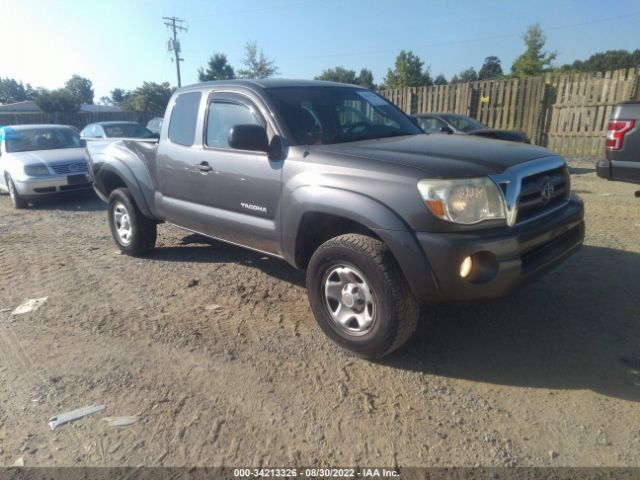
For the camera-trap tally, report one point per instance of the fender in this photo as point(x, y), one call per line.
point(123, 159)
point(367, 211)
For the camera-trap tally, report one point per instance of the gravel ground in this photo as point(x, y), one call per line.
point(215, 348)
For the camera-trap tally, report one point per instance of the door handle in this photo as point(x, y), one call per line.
point(204, 167)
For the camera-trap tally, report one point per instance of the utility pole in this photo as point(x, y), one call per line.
point(174, 24)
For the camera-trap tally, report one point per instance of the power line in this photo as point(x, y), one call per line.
point(174, 24)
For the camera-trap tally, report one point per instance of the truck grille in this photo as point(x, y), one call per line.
point(70, 168)
point(543, 192)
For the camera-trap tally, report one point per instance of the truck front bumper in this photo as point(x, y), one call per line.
point(502, 259)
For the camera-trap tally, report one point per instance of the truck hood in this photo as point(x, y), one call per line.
point(49, 157)
point(441, 156)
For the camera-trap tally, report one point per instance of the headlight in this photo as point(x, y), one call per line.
point(464, 201)
point(36, 169)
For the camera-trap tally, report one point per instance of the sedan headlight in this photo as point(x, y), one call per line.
point(465, 201)
point(36, 169)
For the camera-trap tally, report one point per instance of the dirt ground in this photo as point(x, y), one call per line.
point(548, 376)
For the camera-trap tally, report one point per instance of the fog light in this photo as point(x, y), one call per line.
point(465, 267)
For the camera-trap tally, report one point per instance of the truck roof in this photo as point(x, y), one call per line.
point(268, 83)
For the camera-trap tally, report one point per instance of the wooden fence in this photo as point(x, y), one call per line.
point(79, 120)
point(567, 113)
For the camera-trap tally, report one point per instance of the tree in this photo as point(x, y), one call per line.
point(119, 95)
point(61, 100)
point(605, 61)
point(408, 72)
point(533, 61)
point(217, 69)
point(468, 75)
point(12, 91)
point(454, 80)
point(257, 65)
point(491, 68)
point(440, 80)
point(151, 97)
point(365, 79)
point(81, 87)
point(342, 75)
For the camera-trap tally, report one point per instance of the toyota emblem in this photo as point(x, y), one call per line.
point(548, 189)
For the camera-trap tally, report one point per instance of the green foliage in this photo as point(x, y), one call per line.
point(440, 80)
point(61, 100)
point(12, 91)
point(491, 69)
point(151, 97)
point(119, 95)
point(342, 75)
point(217, 69)
point(533, 61)
point(468, 75)
point(455, 79)
point(256, 64)
point(81, 87)
point(408, 72)
point(606, 61)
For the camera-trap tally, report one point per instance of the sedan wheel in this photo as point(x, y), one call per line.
point(16, 199)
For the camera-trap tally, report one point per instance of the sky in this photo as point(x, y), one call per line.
point(121, 43)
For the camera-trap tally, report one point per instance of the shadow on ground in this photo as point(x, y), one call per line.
point(576, 328)
point(84, 201)
point(200, 249)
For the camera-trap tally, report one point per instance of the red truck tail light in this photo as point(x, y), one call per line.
point(617, 130)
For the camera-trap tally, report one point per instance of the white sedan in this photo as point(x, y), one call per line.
point(39, 160)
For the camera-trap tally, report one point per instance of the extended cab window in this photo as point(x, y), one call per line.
point(182, 126)
point(223, 115)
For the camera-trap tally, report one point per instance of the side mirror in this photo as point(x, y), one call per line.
point(249, 137)
point(83, 142)
point(446, 129)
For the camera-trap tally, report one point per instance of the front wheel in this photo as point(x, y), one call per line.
point(16, 199)
point(134, 233)
point(359, 296)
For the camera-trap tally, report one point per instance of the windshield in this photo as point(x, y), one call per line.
point(26, 140)
point(128, 130)
point(462, 123)
point(326, 115)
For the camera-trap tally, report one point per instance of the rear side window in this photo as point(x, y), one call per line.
point(182, 126)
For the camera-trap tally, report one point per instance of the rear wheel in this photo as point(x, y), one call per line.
point(360, 297)
point(134, 233)
point(16, 199)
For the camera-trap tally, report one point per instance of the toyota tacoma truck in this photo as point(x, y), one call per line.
point(337, 181)
point(622, 145)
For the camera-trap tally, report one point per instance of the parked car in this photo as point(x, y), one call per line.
point(38, 160)
point(453, 123)
point(154, 125)
point(622, 145)
point(116, 130)
point(336, 180)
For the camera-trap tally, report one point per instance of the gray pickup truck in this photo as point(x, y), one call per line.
point(622, 145)
point(337, 181)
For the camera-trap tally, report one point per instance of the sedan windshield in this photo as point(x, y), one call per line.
point(26, 140)
point(462, 123)
point(127, 130)
point(326, 115)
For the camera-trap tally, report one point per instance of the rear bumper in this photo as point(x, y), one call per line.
point(32, 187)
point(619, 171)
point(503, 260)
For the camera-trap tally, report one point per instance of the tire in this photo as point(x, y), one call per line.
point(134, 233)
point(390, 312)
point(17, 201)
